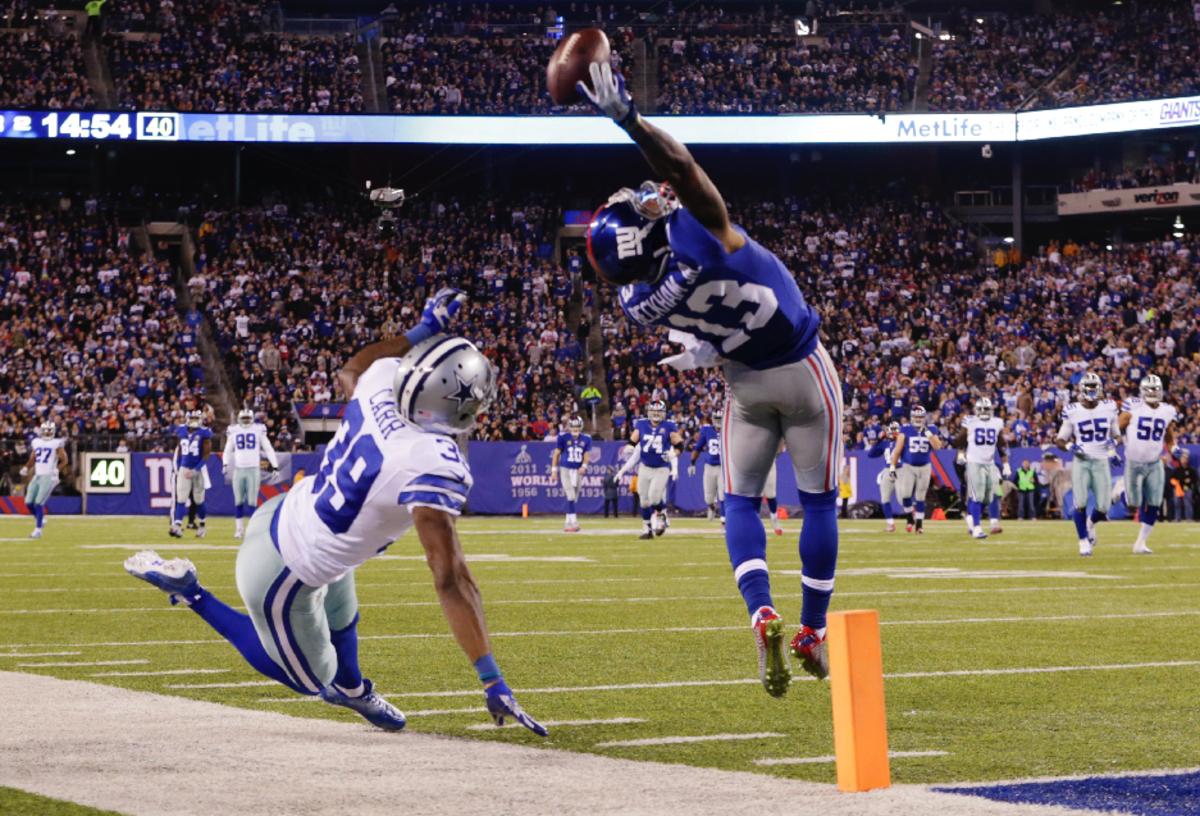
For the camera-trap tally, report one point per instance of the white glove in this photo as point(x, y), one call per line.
point(1006, 470)
point(24, 471)
point(891, 472)
point(609, 96)
point(697, 353)
point(691, 470)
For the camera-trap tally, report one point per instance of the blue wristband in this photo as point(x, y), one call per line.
point(418, 333)
point(487, 669)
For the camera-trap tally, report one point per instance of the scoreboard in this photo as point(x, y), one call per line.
point(91, 125)
point(106, 473)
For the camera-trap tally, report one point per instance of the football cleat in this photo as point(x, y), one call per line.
point(1142, 549)
point(175, 531)
point(1091, 532)
point(571, 528)
point(773, 668)
point(778, 530)
point(373, 708)
point(37, 533)
point(978, 534)
point(502, 705)
point(996, 529)
point(174, 577)
point(646, 536)
point(908, 528)
point(1085, 547)
point(809, 648)
point(201, 531)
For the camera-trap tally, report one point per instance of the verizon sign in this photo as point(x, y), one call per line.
point(1136, 198)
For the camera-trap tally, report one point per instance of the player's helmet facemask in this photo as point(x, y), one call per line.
point(627, 237)
point(1151, 389)
point(1090, 388)
point(443, 383)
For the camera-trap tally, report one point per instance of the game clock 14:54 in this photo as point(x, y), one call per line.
point(139, 126)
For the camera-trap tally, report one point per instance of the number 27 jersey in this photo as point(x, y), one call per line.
point(375, 470)
point(746, 304)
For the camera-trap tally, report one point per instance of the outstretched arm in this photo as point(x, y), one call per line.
point(667, 157)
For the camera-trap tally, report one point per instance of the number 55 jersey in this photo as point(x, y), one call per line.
point(1091, 428)
point(375, 470)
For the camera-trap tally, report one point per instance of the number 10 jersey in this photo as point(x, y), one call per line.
point(374, 471)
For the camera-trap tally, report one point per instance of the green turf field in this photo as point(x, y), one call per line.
point(1007, 658)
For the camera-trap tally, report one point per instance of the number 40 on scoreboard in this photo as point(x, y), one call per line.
point(106, 473)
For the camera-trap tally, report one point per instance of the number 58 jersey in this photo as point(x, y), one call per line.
point(1146, 430)
point(374, 471)
point(746, 304)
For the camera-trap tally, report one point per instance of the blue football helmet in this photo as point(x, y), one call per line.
point(627, 238)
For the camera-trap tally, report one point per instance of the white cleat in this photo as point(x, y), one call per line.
point(1142, 549)
point(37, 533)
point(237, 534)
point(978, 534)
point(1085, 547)
point(176, 577)
point(201, 531)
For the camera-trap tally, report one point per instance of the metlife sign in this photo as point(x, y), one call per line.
point(892, 128)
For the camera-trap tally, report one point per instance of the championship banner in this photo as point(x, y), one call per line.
point(1168, 197)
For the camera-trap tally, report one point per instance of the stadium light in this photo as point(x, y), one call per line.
point(1008, 239)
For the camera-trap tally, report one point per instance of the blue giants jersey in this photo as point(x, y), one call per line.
point(573, 450)
point(709, 445)
point(191, 445)
point(654, 442)
point(916, 446)
point(745, 303)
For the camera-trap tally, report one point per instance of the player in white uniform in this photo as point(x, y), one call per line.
point(246, 444)
point(1148, 435)
point(1089, 432)
point(393, 465)
point(981, 436)
point(46, 459)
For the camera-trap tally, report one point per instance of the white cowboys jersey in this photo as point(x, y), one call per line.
point(45, 456)
point(1090, 428)
point(375, 470)
point(983, 435)
point(1146, 430)
point(246, 446)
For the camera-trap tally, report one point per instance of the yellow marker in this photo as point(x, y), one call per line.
point(856, 687)
point(525, 510)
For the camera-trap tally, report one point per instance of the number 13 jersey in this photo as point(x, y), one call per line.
point(374, 471)
point(745, 303)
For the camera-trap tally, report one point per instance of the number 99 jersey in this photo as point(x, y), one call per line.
point(746, 304)
point(1091, 428)
point(374, 471)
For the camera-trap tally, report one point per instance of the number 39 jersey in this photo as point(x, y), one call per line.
point(1091, 428)
point(746, 304)
point(1146, 430)
point(375, 470)
point(983, 435)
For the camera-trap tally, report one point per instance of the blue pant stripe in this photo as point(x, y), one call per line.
point(281, 632)
point(287, 628)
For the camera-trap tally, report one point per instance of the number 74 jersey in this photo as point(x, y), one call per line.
point(1146, 430)
point(374, 471)
point(1091, 428)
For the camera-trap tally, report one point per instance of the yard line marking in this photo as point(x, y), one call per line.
point(1159, 664)
point(163, 673)
point(562, 723)
point(243, 684)
point(483, 557)
point(635, 743)
point(80, 664)
point(905, 573)
point(818, 760)
point(164, 547)
point(41, 654)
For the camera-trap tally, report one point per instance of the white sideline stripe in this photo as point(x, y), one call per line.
point(818, 760)
point(164, 547)
point(80, 664)
point(1182, 613)
point(1160, 664)
point(242, 684)
point(41, 654)
point(636, 743)
point(163, 673)
point(562, 723)
point(725, 597)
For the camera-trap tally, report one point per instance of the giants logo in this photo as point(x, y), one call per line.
point(629, 240)
point(162, 485)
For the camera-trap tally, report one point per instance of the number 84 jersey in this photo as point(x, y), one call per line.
point(374, 471)
point(1091, 428)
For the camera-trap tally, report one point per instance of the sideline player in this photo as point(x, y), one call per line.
point(47, 458)
point(883, 446)
point(1089, 433)
point(770, 493)
point(1148, 433)
point(708, 449)
point(683, 264)
point(195, 446)
point(653, 438)
point(913, 449)
point(245, 446)
point(569, 462)
point(981, 437)
point(392, 465)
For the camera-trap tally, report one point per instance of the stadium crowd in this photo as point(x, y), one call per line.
point(42, 67)
point(1155, 170)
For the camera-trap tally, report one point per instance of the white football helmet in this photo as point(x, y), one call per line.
point(1090, 387)
point(443, 383)
point(983, 408)
point(46, 430)
point(1151, 389)
point(194, 419)
point(245, 417)
point(656, 411)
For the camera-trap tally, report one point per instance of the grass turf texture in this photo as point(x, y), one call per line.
point(15, 802)
point(947, 604)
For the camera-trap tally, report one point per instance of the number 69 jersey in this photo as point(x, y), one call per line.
point(746, 304)
point(375, 470)
point(983, 435)
point(1091, 428)
point(1146, 430)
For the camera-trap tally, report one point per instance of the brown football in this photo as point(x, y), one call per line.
point(570, 61)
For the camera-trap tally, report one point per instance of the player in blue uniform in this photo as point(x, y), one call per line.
point(653, 439)
point(882, 447)
point(707, 450)
point(570, 462)
point(681, 263)
point(195, 445)
point(913, 450)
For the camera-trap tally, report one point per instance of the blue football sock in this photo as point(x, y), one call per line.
point(1149, 516)
point(180, 512)
point(1080, 518)
point(818, 555)
point(888, 513)
point(920, 509)
point(773, 505)
point(646, 513)
point(570, 506)
point(721, 508)
point(238, 509)
point(38, 514)
point(201, 512)
point(974, 508)
point(746, 542)
point(249, 510)
point(994, 509)
point(345, 643)
point(239, 630)
point(1099, 516)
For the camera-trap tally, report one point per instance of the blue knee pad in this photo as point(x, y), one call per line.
point(746, 543)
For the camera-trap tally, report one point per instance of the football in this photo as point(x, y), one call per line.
point(570, 61)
